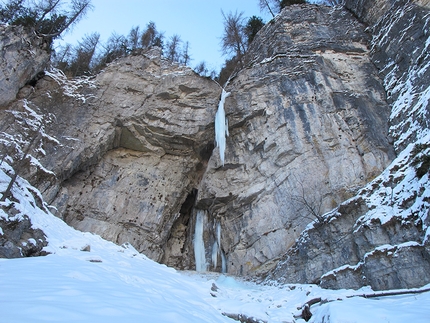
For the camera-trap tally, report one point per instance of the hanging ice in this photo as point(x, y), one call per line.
point(215, 255)
point(216, 249)
point(218, 234)
point(223, 263)
point(199, 244)
point(221, 127)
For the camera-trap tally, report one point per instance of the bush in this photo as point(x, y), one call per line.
point(421, 159)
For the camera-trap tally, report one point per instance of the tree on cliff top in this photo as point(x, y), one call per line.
point(275, 6)
point(45, 16)
point(233, 39)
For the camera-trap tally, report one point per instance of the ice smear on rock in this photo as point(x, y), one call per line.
point(221, 129)
point(199, 244)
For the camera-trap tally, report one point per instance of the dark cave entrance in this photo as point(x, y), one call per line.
point(177, 248)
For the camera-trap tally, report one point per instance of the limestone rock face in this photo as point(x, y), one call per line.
point(134, 146)
point(129, 154)
point(380, 238)
point(308, 126)
point(22, 56)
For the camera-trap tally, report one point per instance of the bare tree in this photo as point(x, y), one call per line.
point(134, 38)
point(186, 58)
point(201, 69)
point(84, 54)
point(233, 40)
point(173, 44)
point(62, 57)
point(151, 37)
point(77, 10)
point(306, 201)
point(115, 47)
point(45, 16)
point(271, 6)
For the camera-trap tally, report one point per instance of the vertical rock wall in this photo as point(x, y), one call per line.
point(130, 153)
point(308, 127)
point(22, 57)
point(380, 238)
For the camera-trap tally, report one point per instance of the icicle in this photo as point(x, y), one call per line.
point(221, 126)
point(215, 255)
point(216, 249)
point(199, 244)
point(223, 263)
point(218, 234)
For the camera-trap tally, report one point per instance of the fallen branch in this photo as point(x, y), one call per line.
point(393, 293)
point(243, 318)
point(306, 308)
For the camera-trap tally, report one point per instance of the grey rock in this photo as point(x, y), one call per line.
point(135, 157)
point(382, 254)
point(307, 121)
point(23, 58)
point(19, 239)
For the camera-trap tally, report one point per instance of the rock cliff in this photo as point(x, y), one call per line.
point(380, 237)
point(129, 154)
point(23, 59)
point(308, 127)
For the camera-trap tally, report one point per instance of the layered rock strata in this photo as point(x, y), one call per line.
point(308, 127)
point(129, 154)
point(380, 238)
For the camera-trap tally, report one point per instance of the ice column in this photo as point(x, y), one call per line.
point(221, 127)
point(216, 249)
point(199, 244)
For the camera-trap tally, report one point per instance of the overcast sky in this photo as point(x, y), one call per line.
point(199, 22)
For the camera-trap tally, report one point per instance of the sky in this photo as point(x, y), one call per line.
point(199, 22)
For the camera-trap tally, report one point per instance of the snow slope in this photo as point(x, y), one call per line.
point(88, 279)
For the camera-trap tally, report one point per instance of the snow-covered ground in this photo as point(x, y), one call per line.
point(111, 283)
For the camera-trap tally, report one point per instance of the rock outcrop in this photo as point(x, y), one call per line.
point(380, 238)
point(133, 144)
point(308, 127)
point(129, 154)
point(23, 59)
point(18, 238)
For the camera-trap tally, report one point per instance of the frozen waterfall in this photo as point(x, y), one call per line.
point(221, 126)
point(217, 250)
point(199, 244)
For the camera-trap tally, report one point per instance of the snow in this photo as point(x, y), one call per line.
point(71, 87)
point(221, 127)
point(111, 283)
point(395, 309)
